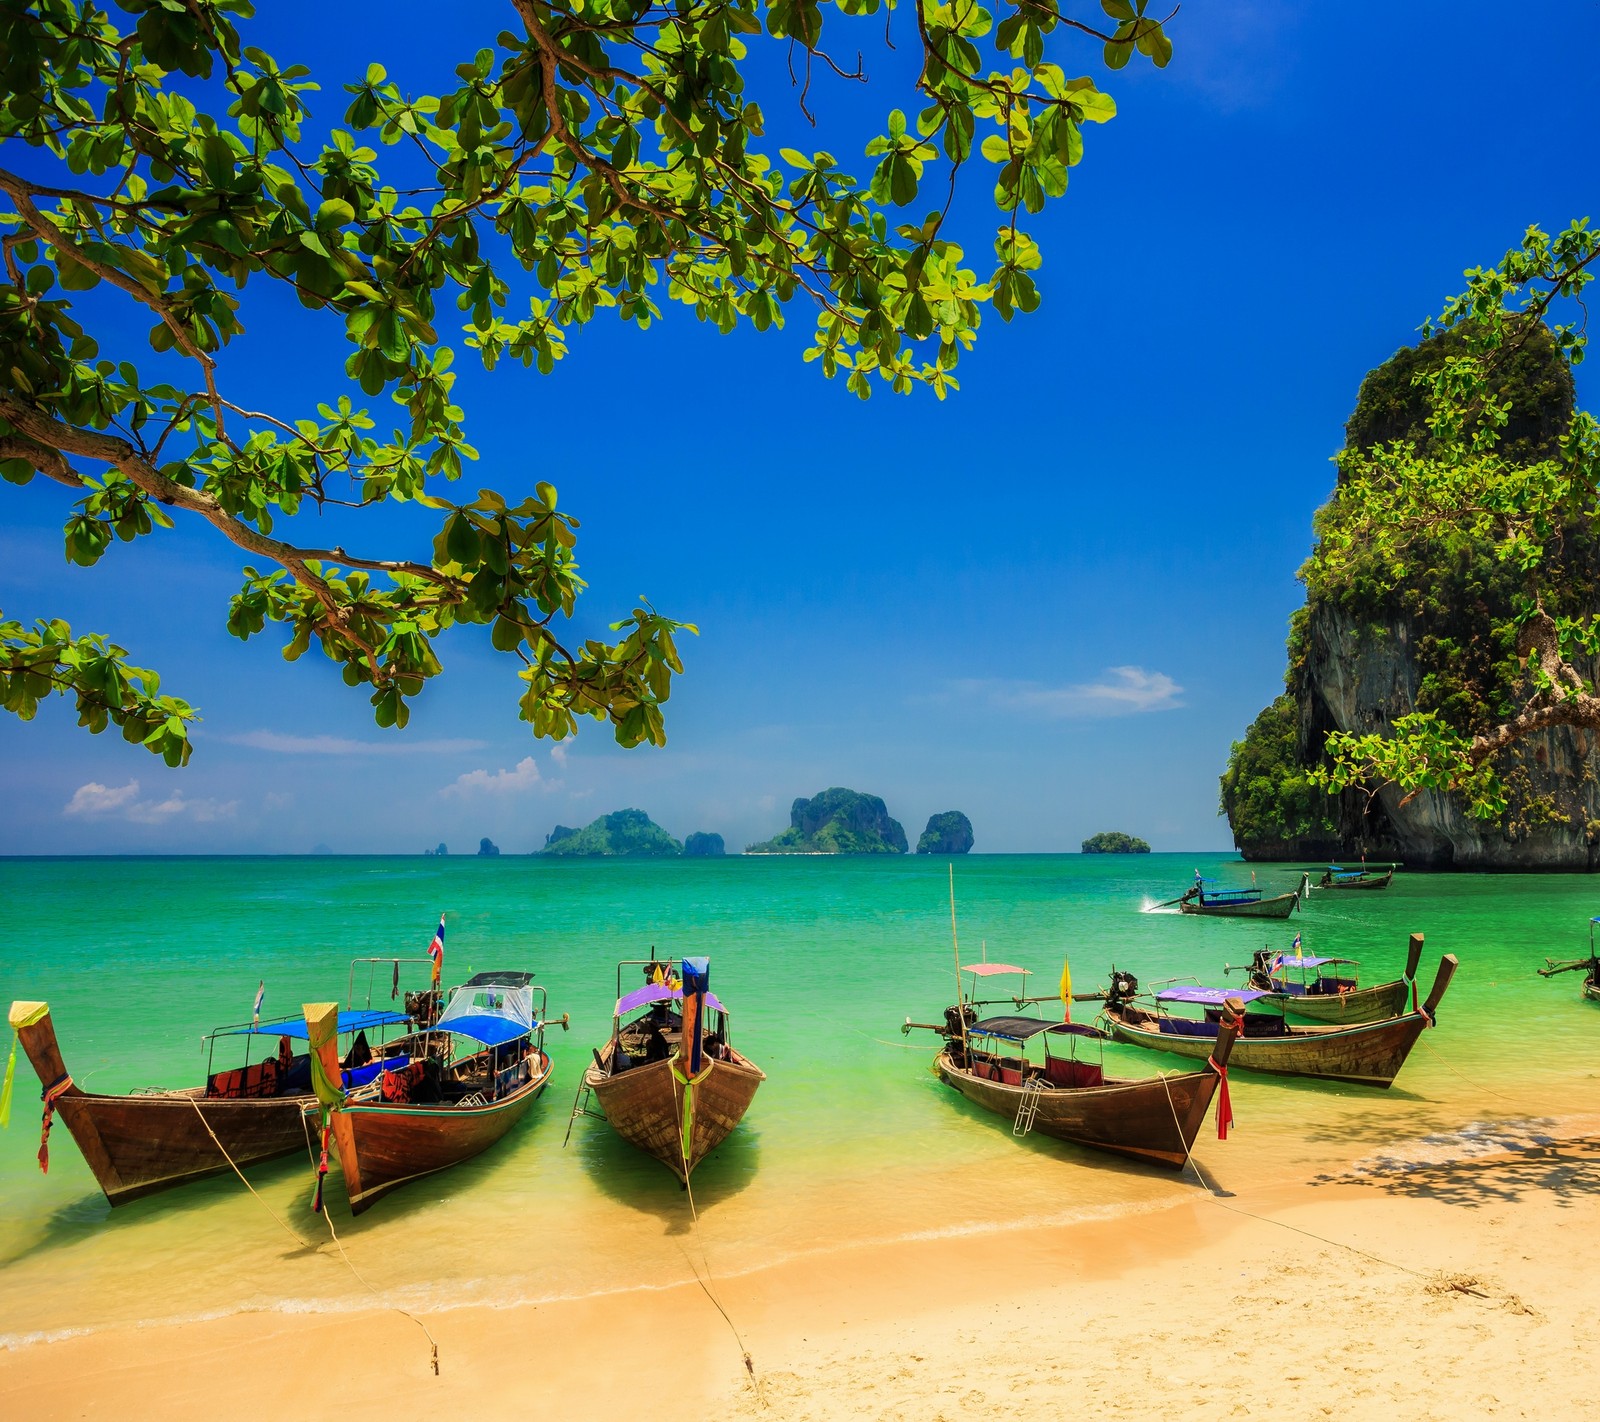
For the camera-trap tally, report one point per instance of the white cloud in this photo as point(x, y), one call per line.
point(559, 755)
point(1119, 691)
point(522, 779)
point(277, 800)
point(284, 744)
point(96, 801)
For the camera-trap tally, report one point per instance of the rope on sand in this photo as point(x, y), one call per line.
point(339, 1245)
point(1212, 1195)
point(705, 1259)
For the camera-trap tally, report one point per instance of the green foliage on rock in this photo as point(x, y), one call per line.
point(838, 821)
point(947, 833)
point(701, 845)
point(594, 159)
point(626, 834)
point(1114, 842)
point(1464, 520)
point(1267, 794)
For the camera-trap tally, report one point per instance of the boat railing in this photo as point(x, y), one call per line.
point(372, 969)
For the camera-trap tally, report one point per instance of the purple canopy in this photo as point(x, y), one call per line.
point(1209, 997)
point(1308, 962)
point(657, 992)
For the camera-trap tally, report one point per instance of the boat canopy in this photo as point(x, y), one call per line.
point(657, 992)
point(990, 970)
point(1020, 1029)
point(295, 1027)
point(490, 1013)
point(515, 980)
point(1304, 962)
point(1207, 997)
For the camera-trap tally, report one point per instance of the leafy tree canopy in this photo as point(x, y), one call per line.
point(600, 156)
point(1473, 480)
point(1115, 842)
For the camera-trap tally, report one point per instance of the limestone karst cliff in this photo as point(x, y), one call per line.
point(1441, 638)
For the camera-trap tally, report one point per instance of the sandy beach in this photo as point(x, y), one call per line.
point(1458, 1288)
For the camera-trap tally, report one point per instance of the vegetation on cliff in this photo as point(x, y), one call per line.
point(838, 821)
point(701, 845)
point(629, 834)
point(1114, 842)
point(949, 833)
point(1454, 520)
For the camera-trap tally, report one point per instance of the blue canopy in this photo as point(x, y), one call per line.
point(295, 1027)
point(488, 1028)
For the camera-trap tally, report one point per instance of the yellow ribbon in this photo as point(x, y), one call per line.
point(18, 1022)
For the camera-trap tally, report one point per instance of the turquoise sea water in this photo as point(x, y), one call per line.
point(850, 1141)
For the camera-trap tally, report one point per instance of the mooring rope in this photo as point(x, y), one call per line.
point(339, 1244)
point(705, 1259)
point(1212, 1195)
point(287, 1228)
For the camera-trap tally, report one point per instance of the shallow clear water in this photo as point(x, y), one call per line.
point(851, 1140)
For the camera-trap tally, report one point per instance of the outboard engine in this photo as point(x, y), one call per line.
point(423, 1007)
point(956, 1022)
point(1123, 988)
point(1261, 970)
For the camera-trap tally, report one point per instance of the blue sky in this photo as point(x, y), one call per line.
point(1051, 601)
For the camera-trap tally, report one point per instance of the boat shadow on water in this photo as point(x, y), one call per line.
point(625, 1174)
point(88, 1215)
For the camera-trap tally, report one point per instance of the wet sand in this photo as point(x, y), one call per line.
point(1461, 1287)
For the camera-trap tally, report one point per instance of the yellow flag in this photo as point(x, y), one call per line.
point(1066, 990)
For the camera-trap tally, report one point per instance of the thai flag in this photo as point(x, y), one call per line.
point(255, 1012)
point(436, 950)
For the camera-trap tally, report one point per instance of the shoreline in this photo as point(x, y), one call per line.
point(1372, 1293)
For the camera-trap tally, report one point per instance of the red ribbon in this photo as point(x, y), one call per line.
point(49, 1096)
point(322, 1170)
point(1224, 1103)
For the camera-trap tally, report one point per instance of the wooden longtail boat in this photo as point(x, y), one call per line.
point(1333, 877)
point(1240, 903)
point(1328, 996)
point(146, 1141)
point(436, 1110)
point(1370, 1053)
point(1590, 967)
point(669, 1081)
point(1153, 1119)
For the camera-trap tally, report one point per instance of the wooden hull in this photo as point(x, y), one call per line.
point(383, 1146)
point(138, 1145)
point(1591, 990)
point(1155, 1120)
point(1369, 1055)
point(1380, 881)
point(1279, 907)
point(646, 1106)
point(1372, 1004)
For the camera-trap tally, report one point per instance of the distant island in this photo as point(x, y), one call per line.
point(1114, 842)
point(623, 834)
point(488, 849)
point(838, 821)
point(701, 845)
point(949, 833)
point(440, 852)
